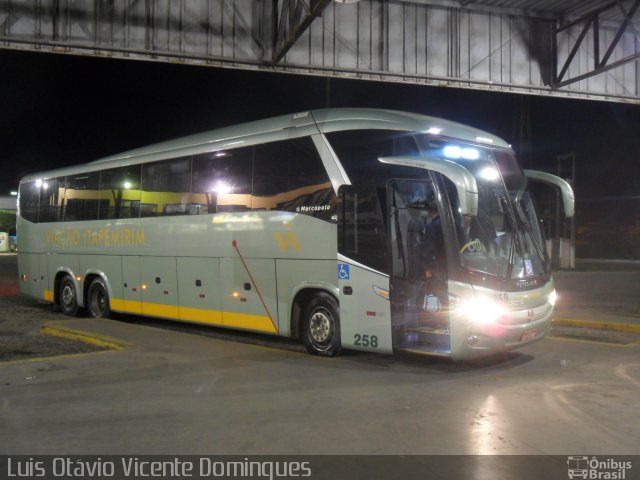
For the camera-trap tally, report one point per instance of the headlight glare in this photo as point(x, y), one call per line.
point(481, 309)
point(553, 296)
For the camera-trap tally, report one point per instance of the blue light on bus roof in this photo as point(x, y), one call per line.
point(455, 152)
point(452, 151)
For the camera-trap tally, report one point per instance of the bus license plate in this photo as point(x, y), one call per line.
point(528, 335)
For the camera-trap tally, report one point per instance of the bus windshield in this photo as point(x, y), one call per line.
point(504, 239)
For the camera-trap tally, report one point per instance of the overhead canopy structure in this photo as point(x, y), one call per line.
point(577, 48)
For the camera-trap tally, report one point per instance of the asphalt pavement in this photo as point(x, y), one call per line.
point(602, 294)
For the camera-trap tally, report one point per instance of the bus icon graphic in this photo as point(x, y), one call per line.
point(578, 466)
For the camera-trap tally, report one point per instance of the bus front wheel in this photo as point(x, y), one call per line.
point(68, 299)
point(321, 325)
point(98, 299)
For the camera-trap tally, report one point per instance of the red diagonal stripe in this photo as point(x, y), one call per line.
point(244, 264)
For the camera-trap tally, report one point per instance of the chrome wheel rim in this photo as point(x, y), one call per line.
point(68, 295)
point(321, 326)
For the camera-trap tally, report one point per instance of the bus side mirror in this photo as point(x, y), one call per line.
point(462, 178)
point(568, 198)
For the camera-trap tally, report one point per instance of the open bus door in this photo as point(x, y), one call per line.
point(418, 281)
point(386, 300)
point(419, 305)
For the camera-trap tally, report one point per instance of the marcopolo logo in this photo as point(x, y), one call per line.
point(595, 468)
point(312, 208)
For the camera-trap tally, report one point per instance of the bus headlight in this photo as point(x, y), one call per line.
point(553, 296)
point(481, 309)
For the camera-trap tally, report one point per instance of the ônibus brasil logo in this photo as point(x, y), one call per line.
point(581, 466)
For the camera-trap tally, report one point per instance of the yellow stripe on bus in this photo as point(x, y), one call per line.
point(251, 322)
point(126, 306)
point(213, 317)
point(160, 310)
point(188, 314)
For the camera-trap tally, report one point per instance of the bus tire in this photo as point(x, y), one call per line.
point(98, 299)
point(68, 297)
point(321, 325)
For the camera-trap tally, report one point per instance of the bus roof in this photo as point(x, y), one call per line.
point(281, 127)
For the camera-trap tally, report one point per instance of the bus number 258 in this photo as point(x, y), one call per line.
point(365, 340)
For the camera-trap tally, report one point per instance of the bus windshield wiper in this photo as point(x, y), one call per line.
point(526, 226)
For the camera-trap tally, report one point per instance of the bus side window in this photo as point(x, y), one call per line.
point(165, 187)
point(29, 201)
point(81, 197)
point(51, 195)
point(362, 233)
point(221, 181)
point(119, 192)
point(289, 175)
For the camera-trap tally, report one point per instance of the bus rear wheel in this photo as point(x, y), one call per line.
point(321, 325)
point(98, 299)
point(67, 296)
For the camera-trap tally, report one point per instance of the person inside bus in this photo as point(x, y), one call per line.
point(482, 227)
point(427, 259)
point(434, 261)
point(413, 197)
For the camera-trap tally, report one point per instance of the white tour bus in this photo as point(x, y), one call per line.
point(364, 229)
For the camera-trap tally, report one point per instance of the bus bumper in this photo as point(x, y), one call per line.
point(516, 329)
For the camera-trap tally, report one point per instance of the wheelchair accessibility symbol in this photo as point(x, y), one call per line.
point(343, 271)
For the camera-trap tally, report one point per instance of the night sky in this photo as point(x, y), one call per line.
point(60, 110)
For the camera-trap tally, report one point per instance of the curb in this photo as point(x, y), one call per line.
point(85, 337)
point(597, 325)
